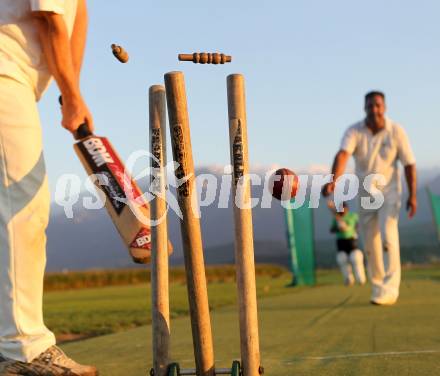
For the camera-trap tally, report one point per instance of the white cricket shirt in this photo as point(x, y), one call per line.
point(21, 55)
point(379, 153)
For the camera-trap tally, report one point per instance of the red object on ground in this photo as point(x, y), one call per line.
point(285, 184)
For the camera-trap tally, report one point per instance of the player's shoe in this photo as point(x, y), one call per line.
point(384, 300)
point(53, 362)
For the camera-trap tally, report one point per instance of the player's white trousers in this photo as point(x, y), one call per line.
point(24, 214)
point(381, 237)
point(345, 267)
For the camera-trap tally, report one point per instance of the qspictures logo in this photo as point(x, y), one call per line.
point(97, 151)
point(209, 188)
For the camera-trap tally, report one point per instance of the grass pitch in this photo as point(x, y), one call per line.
point(324, 330)
point(79, 313)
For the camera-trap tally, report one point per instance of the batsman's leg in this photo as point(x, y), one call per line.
point(24, 214)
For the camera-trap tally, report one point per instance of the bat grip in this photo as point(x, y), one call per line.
point(83, 130)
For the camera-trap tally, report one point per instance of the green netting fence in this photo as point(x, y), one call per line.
point(435, 205)
point(300, 239)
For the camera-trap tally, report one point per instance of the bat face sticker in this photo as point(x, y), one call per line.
point(101, 159)
point(97, 151)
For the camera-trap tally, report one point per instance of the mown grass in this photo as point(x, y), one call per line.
point(124, 303)
point(325, 330)
point(87, 312)
point(121, 277)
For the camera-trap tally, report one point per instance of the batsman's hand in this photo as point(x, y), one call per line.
point(328, 189)
point(411, 206)
point(75, 112)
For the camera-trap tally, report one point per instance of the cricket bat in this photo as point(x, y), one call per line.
point(99, 157)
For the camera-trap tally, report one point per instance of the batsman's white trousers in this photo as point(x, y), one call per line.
point(381, 237)
point(24, 214)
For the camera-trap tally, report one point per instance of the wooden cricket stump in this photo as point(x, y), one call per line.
point(190, 224)
point(159, 232)
point(244, 246)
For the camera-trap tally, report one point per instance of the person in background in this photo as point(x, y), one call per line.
point(349, 257)
point(378, 144)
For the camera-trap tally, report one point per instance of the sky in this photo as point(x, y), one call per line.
point(307, 66)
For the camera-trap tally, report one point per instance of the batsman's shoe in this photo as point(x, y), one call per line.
point(53, 362)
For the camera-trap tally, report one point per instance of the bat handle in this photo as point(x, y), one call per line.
point(83, 130)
